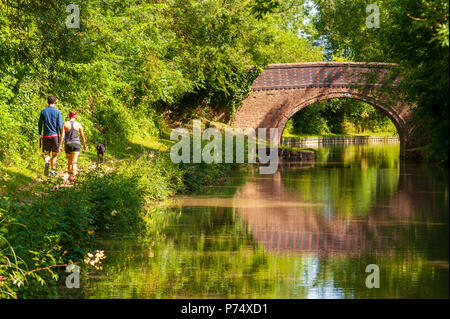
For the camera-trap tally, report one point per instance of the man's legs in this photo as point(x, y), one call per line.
point(46, 156)
point(50, 145)
point(55, 149)
point(54, 160)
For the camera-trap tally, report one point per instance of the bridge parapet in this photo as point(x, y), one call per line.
point(325, 74)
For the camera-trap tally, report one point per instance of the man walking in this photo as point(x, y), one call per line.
point(50, 126)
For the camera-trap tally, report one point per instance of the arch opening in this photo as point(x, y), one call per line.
point(385, 110)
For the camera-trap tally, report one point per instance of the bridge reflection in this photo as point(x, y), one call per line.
point(287, 221)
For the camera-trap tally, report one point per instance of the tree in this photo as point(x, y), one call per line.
point(413, 34)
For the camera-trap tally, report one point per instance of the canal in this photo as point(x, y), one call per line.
point(308, 231)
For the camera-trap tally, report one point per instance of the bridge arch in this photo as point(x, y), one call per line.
point(284, 89)
point(396, 120)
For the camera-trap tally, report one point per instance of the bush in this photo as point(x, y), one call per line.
point(117, 198)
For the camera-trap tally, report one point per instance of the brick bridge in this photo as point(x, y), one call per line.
point(284, 89)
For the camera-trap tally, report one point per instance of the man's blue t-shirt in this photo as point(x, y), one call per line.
point(51, 121)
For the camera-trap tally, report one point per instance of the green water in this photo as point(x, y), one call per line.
point(304, 232)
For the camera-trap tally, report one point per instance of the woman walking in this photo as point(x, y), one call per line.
point(70, 136)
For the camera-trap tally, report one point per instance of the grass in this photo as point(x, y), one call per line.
point(295, 148)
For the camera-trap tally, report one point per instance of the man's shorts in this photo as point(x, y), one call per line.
point(70, 148)
point(50, 144)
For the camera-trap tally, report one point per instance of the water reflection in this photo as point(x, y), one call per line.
point(305, 232)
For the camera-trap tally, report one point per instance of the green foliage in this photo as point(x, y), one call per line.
point(130, 62)
point(196, 176)
point(23, 252)
point(262, 7)
point(340, 116)
point(310, 121)
point(116, 198)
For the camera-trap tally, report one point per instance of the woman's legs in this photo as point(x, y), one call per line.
point(69, 164)
point(74, 162)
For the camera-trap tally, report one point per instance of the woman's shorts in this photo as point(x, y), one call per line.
point(70, 148)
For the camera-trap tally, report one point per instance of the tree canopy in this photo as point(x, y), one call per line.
point(129, 62)
point(411, 33)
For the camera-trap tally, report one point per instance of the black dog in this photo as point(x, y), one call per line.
point(100, 152)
